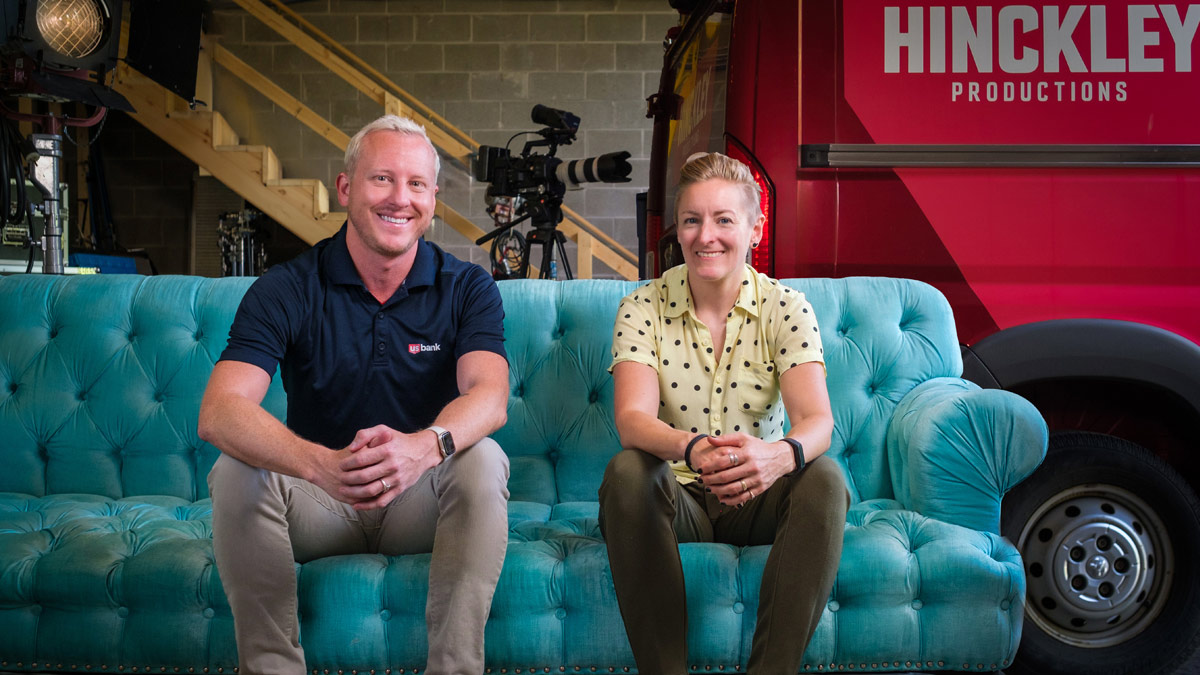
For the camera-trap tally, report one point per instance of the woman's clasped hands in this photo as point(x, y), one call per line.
point(738, 467)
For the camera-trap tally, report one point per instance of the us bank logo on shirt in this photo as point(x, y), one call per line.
point(417, 348)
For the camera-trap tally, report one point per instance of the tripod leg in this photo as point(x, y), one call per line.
point(560, 241)
point(524, 268)
point(547, 258)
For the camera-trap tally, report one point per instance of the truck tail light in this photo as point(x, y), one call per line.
point(760, 258)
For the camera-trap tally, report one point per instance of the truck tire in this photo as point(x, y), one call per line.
point(1110, 538)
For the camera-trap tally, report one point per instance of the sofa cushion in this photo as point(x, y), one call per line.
point(139, 573)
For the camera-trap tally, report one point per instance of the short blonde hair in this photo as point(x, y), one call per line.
point(389, 123)
point(704, 166)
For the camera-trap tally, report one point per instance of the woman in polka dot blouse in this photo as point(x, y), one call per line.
point(706, 359)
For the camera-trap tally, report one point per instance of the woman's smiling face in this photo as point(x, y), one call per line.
point(716, 228)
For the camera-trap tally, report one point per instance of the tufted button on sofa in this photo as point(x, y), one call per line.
point(106, 561)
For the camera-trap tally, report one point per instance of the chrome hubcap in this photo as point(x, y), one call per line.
point(1098, 563)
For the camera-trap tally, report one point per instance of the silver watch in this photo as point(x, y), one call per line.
point(445, 441)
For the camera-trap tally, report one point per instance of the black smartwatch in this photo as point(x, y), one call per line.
point(797, 454)
point(445, 441)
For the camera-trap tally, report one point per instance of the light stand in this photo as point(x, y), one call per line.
point(46, 159)
point(45, 178)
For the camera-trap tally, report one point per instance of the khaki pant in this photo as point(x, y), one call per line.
point(645, 513)
point(263, 522)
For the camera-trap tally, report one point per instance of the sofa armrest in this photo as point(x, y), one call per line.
point(955, 449)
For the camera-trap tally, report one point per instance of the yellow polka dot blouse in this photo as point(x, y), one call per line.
point(715, 389)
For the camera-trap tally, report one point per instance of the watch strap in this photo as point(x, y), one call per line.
point(797, 454)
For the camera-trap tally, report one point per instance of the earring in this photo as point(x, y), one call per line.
point(754, 245)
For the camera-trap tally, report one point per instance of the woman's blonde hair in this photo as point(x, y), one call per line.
point(704, 166)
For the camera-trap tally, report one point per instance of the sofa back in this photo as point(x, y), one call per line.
point(101, 379)
point(881, 336)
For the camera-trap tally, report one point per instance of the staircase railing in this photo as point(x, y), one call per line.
point(453, 142)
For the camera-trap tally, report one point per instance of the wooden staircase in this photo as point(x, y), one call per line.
point(252, 171)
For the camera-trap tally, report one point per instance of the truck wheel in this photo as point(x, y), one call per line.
point(1110, 538)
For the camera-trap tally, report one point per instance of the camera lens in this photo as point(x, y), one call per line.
point(612, 167)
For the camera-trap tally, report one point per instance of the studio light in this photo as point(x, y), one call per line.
point(73, 28)
point(60, 50)
point(64, 34)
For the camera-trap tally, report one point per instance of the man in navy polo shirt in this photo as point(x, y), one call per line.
point(392, 355)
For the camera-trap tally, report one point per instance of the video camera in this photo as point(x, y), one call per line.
point(531, 187)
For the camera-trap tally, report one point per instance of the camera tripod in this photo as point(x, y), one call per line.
point(544, 233)
point(550, 239)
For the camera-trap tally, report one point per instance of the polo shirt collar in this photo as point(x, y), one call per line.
point(341, 270)
point(749, 296)
point(679, 295)
point(424, 268)
point(339, 267)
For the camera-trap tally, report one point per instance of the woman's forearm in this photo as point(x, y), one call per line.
point(646, 432)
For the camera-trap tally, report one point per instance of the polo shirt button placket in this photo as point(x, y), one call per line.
point(715, 397)
point(707, 356)
point(715, 400)
point(381, 335)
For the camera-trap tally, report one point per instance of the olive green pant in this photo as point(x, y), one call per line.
point(645, 513)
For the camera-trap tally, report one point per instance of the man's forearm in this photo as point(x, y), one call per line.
point(244, 430)
point(474, 415)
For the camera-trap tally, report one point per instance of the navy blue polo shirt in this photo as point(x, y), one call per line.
point(349, 363)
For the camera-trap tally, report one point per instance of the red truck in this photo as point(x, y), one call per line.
point(1039, 163)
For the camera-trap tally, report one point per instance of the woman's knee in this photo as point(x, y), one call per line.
point(631, 479)
point(821, 486)
point(629, 469)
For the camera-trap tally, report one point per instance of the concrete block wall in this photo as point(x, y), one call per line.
point(481, 64)
point(150, 192)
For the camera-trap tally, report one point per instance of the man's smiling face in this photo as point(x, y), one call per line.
point(391, 196)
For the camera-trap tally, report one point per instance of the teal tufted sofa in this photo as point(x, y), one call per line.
point(106, 562)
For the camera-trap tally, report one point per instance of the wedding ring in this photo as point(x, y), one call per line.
point(733, 459)
point(386, 487)
point(743, 485)
point(751, 494)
